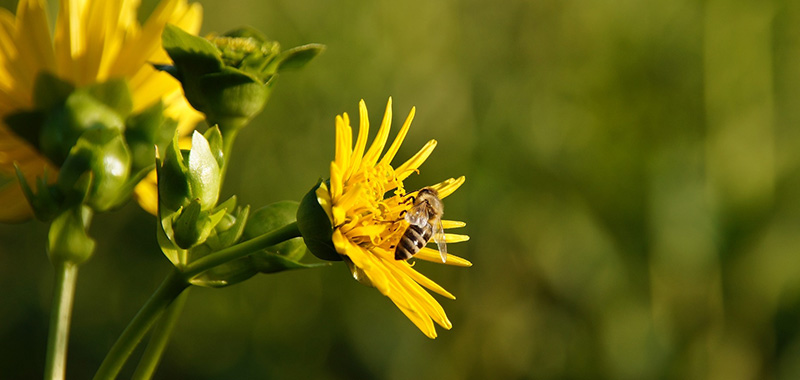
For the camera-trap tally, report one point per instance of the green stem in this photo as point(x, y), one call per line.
point(170, 288)
point(228, 138)
point(175, 283)
point(159, 339)
point(240, 250)
point(60, 315)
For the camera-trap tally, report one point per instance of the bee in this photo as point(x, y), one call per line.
point(425, 222)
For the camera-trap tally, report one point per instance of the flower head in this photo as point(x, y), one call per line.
point(94, 41)
point(366, 201)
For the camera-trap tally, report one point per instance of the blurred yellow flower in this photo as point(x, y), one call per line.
point(367, 226)
point(94, 40)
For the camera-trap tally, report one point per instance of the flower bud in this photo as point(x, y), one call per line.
point(188, 175)
point(314, 223)
point(67, 240)
point(104, 105)
point(229, 78)
point(103, 154)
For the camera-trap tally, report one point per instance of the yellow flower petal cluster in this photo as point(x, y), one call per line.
point(94, 40)
point(368, 224)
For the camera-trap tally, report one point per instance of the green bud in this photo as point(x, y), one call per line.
point(192, 226)
point(103, 154)
point(64, 124)
point(315, 226)
point(67, 239)
point(194, 174)
point(230, 77)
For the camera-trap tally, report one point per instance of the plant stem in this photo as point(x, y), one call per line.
point(205, 263)
point(170, 288)
point(60, 315)
point(228, 138)
point(158, 340)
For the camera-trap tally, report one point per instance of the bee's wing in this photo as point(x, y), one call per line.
point(438, 237)
point(417, 216)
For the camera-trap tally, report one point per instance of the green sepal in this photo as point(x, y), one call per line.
point(315, 227)
point(230, 229)
point(192, 225)
point(214, 138)
point(27, 125)
point(176, 255)
point(296, 57)
point(50, 90)
point(64, 124)
point(190, 53)
point(114, 94)
point(45, 201)
point(174, 190)
point(67, 240)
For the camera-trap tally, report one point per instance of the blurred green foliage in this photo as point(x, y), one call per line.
point(633, 198)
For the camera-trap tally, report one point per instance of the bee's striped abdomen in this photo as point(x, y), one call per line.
point(412, 241)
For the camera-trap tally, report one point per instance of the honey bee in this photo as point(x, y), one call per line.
point(425, 222)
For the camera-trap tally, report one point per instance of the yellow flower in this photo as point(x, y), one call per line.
point(367, 224)
point(94, 40)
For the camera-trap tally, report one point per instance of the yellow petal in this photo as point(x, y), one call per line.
point(413, 163)
point(448, 224)
point(371, 158)
point(398, 140)
point(432, 255)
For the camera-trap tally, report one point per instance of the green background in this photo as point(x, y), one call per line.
point(632, 198)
